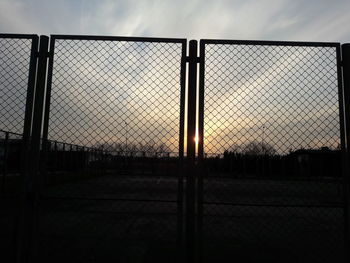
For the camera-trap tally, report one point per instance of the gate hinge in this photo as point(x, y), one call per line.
point(193, 59)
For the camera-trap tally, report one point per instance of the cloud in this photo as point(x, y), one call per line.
point(312, 20)
point(320, 20)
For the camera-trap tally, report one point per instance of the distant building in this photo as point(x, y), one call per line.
point(323, 162)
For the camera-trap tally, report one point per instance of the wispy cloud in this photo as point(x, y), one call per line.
point(318, 20)
point(311, 20)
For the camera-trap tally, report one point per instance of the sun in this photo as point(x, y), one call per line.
point(196, 140)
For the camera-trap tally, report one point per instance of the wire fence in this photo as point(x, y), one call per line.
point(16, 101)
point(94, 161)
point(121, 100)
point(15, 59)
point(272, 150)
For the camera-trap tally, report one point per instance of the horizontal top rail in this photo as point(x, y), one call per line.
point(176, 40)
point(24, 36)
point(268, 43)
point(119, 38)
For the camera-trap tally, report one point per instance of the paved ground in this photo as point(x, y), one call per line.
point(86, 220)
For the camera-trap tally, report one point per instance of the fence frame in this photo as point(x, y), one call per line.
point(189, 202)
point(345, 86)
point(21, 246)
point(344, 120)
point(46, 119)
point(30, 93)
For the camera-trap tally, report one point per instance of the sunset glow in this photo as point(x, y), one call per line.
point(196, 139)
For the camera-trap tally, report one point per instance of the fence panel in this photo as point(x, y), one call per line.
point(272, 145)
point(17, 73)
point(113, 142)
point(271, 142)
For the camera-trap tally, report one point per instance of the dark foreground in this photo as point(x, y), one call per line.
point(119, 218)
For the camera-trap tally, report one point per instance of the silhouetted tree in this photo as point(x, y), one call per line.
point(253, 148)
point(258, 148)
point(149, 149)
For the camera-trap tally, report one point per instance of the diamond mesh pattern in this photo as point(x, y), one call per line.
point(14, 71)
point(271, 141)
point(282, 96)
point(116, 94)
point(118, 102)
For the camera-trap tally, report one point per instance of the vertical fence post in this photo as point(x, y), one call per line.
point(55, 161)
point(28, 115)
point(346, 101)
point(191, 154)
point(76, 160)
point(35, 180)
point(25, 149)
point(63, 160)
point(44, 162)
point(26, 247)
point(201, 165)
point(180, 182)
point(6, 141)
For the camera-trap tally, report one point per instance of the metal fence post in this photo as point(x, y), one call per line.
point(26, 247)
point(346, 100)
point(25, 150)
point(6, 142)
point(191, 154)
point(28, 115)
point(36, 179)
point(201, 164)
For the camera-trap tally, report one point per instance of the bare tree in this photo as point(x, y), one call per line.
point(149, 149)
point(254, 148)
point(259, 148)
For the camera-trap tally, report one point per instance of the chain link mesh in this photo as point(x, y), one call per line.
point(15, 55)
point(283, 97)
point(272, 185)
point(112, 157)
point(272, 152)
point(14, 71)
point(116, 94)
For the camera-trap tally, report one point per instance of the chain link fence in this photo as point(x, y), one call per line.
point(110, 185)
point(114, 143)
point(272, 151)
point(15, 58)
point(16, 93)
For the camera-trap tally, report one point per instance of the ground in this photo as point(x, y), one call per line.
point(133, 218)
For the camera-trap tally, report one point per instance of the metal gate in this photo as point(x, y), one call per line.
point(111, 150)
point(17, 76)
point(272, 181)
point(111, 184)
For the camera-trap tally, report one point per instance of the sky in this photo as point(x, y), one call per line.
point(308, 20)
point(119, 76)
